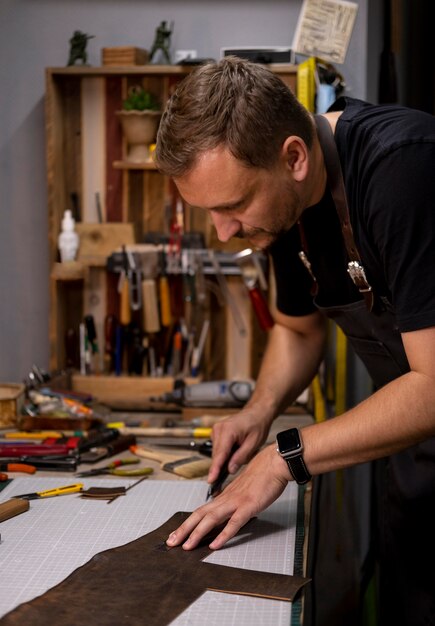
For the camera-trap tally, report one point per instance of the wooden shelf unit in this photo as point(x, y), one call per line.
point(85, 153)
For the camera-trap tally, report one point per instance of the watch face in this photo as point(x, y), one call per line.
point(289, 441)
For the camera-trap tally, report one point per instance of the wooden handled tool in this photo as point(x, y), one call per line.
point(149, 431)
point(187, 467)
point(13, 507)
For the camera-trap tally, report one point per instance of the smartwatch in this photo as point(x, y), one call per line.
point(289, 446)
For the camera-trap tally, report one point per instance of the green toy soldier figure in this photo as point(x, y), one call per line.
point(78, 43)
point(162, 41)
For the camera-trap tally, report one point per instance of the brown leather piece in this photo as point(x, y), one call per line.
point(145, 582)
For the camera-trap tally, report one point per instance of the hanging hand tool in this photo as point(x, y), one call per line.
point(110, 324)
point(124, 291)
point(165, 299)
point(91, 333)
point(50, 493)
point(238, 319)
point(134, 281)
point(253, 278)
point(113, 468)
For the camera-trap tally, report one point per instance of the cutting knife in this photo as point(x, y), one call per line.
point(58, 491)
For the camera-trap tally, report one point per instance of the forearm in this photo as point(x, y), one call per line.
point(290, 362)
point(397, 416)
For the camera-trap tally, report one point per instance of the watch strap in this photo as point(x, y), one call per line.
point(298, 469)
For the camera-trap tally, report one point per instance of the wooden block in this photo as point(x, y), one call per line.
point(98, 241)
point(11, 402)
point(69, 270)
point(124, 55)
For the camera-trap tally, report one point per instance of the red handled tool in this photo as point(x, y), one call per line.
point(253, 278)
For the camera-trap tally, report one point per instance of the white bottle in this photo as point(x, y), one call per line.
point(68, 240)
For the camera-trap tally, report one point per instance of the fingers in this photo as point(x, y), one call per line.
point(257, 486)
point(202, 522)
point(223, 442)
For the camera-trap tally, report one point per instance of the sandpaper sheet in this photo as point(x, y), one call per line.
point(55, 537)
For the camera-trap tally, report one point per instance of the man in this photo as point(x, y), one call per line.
point(238, 145)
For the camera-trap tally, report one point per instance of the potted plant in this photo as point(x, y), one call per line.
point(140, 116)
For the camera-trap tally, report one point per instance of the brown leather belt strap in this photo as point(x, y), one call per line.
point(338, 192)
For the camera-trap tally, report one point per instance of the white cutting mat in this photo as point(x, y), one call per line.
point(41, 547)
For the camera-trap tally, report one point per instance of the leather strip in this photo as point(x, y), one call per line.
point(145, 582)
point(299, 470)
point(338, 192)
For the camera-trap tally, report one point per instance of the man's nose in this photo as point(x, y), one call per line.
point(226, 227)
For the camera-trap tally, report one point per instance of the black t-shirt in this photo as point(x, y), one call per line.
point(387, 155)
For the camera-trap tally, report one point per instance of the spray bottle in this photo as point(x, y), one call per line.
point(68, 240)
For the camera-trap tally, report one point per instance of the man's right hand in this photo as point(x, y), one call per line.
point(246, 430)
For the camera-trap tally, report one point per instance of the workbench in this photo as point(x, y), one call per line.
point(189, 495)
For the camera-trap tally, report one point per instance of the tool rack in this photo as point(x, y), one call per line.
point(86, 158)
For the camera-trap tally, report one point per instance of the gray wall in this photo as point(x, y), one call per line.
point(34, 35)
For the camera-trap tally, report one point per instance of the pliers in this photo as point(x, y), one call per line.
point(113, 468)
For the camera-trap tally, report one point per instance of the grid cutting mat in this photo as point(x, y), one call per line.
point(41, 547)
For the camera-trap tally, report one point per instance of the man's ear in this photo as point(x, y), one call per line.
point(295, 154)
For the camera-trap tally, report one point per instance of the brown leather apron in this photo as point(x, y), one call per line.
point(404, 527)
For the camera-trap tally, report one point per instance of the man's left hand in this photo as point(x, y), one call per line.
point(261, 482)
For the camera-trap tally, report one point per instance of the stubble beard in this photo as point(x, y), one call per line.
point(264, 238)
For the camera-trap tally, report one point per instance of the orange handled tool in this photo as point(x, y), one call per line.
point(18, 467)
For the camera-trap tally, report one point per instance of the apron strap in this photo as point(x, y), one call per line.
point(338, 192)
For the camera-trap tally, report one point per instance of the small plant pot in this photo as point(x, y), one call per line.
point(140, 130)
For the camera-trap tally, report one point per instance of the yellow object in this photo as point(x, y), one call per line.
point(201, 432)
point(45, 434)
point(125, 311)
point(150, 309)
point(60, 491)
point(116, 425)
point(340, 371)
point(306, 84)
point(319, 401)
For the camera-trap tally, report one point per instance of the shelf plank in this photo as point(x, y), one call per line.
point(69, 270)
point(164, 70)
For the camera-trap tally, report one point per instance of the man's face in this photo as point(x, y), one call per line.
point(254, 204)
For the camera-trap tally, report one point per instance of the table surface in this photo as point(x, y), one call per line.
point(205, 603)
